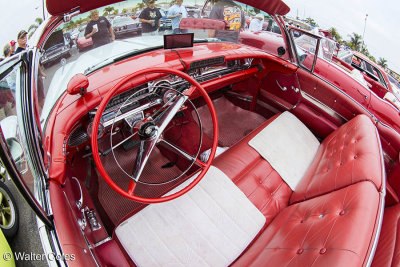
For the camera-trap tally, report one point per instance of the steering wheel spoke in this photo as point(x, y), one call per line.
point(176, 149)
point(146, 146)
point(169, 113)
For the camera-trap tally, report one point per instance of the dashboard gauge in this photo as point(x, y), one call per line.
point(100, 131)
point(133, 119)
point(168, 95)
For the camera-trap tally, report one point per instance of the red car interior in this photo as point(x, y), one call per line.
point(333, 216)
point(344, 211)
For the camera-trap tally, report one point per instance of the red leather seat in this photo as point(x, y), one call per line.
point(349, 155)
point(199, 23)
point(388, 251)
point(334, 213)
point(336, 229)
point(262, 185)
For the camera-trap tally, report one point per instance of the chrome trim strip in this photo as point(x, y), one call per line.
point(322, 106)
point(132, 112)
point(101, 242)
point(50, 244)
point(273, 100)
point(382, 205)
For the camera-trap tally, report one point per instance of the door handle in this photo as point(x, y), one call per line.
point(282, 88)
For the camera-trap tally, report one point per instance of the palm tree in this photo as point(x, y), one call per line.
point(108, 10)
point(311, 21)
point(372, 58)
point(34, 26)
point(335, 34)
point(364, 50)
point(355, 41)
point(382, 62)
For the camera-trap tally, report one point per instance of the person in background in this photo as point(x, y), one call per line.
point(150, 18)
point(256, 23)
point(99, 28)
point(176, 13)
point(12, 43)
point(233, 15)
point(7, 50)
point(21, 40)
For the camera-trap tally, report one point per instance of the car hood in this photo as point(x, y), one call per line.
point(64, 74)
point(57, 7)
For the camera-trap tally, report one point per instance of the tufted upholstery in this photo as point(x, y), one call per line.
point(348, 155)
point(190, 23)
point(388, 251)
point(336, 229)
point(332, 218)
point(255, 176)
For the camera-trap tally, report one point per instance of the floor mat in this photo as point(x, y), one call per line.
point(234, 122)
point(116, 206)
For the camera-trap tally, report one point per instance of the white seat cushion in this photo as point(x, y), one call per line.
point(288, 145)
point(210, 225)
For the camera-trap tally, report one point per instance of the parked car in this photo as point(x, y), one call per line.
point(122, 153)
point(56, 49)
point(82, 42)
point(165, 23)
point(193, 12)
point(373, 73)
point(126, 26)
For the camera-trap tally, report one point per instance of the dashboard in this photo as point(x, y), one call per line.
point(125, 110)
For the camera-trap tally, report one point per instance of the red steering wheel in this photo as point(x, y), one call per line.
point(151, 134)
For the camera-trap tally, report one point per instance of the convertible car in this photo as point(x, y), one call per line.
point(203, 148)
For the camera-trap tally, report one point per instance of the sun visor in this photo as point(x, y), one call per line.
point(272, 7)
point(57, 7)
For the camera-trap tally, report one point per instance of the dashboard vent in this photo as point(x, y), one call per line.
point(78, 137)
point(207, 62)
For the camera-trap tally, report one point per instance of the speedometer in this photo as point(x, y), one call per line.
point(100, 131)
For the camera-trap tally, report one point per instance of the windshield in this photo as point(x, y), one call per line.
point(108, 35)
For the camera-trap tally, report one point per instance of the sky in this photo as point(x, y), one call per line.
point(382, 31)
point(382, 34)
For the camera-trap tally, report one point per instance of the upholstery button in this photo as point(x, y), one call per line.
point(299, 251)
point(322, 251)
point(301, 221)
point(341, 163)
point(342, 212)
point(356, 156)
point(260, 182)
point(321, 216)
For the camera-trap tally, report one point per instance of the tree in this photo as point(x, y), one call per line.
point(108, 9)
point(124, 11)
point(382, 62)
point(372, 58)
point(34, 26)
point(355, 41)
point(335, 34)
point(364, 50)
point(116, 11)
point(311, 21)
